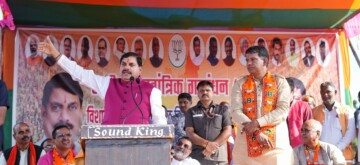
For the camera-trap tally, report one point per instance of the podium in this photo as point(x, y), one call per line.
point(127, 144)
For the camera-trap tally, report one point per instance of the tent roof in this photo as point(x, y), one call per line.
point(305, 14)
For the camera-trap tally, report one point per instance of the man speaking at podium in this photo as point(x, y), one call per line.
point(128, 99)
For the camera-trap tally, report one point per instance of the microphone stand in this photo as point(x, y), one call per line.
point(141, 98)
point(133, 97)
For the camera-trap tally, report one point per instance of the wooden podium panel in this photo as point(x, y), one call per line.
point(127, 144)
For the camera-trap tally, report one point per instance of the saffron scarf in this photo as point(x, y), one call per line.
point(14, 151)
point(316, 155)
point(59, 160)
point(249, 100)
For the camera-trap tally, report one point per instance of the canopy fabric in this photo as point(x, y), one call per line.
point(306, 14)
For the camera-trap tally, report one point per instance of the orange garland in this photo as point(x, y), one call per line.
point(316, 155)
point(249, 99)
point(13, 154)
point(58, 160)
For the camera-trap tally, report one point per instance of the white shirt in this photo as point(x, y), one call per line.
point(100, 84)
point(187, 161)
point(293, 59)
point(242, 59)
point(275, 62)
point(331, 130)
point(118, 54)
point(23, 157)
point(198, 60)
point(325, 62)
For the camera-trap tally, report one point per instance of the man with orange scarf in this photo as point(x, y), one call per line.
point(24, 152)
point(62, 153)
point(260, 105)
point(314, 151)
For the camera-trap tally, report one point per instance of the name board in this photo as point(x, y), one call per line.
point(126, 131)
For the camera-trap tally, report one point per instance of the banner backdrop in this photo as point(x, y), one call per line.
point(173, 60)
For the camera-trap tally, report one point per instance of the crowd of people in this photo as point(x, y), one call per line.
point(269, 122)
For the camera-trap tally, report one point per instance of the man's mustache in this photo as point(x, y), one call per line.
point(205, 95)
point(126, 71)
point(25, 137)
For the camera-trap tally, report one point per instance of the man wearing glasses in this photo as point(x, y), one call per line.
point(62, 153)
point(182, 151)
point(315, 151)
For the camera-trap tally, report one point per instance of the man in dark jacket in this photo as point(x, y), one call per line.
point(24, 152)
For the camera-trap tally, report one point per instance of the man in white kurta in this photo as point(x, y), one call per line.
point(274, 148)
point(338, 125)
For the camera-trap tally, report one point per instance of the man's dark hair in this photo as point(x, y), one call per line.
point(212, 39)
point(292, 40)
point(327, 84)
point(187, 96)
point(57, 128)
point(102, 39)
point(196, 39)
point(43, 142)
point(153, 39)
point(86, 42)
point(261, 41)
point(322, 44)
point(291, 83)
point(228, 40)
point(132, 54)
point(64, 81)
point(117, 41)
point(276, 40)
point(261, 51)
point(67, 38)
point(307, 42)
point(203, 83)
point(298, 84)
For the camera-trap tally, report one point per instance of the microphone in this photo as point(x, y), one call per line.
point(133, 97)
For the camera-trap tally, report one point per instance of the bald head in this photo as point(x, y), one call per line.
point(310, 133)
point(313, 124)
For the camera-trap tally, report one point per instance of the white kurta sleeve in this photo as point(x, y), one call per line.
point(86, 77)
point(157, 111)
point(350, 131)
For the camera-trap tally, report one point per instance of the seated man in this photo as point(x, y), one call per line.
point(314, 151)
point(182, 151)
point(24, 152)
point(47, 144)
point(62, 153)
